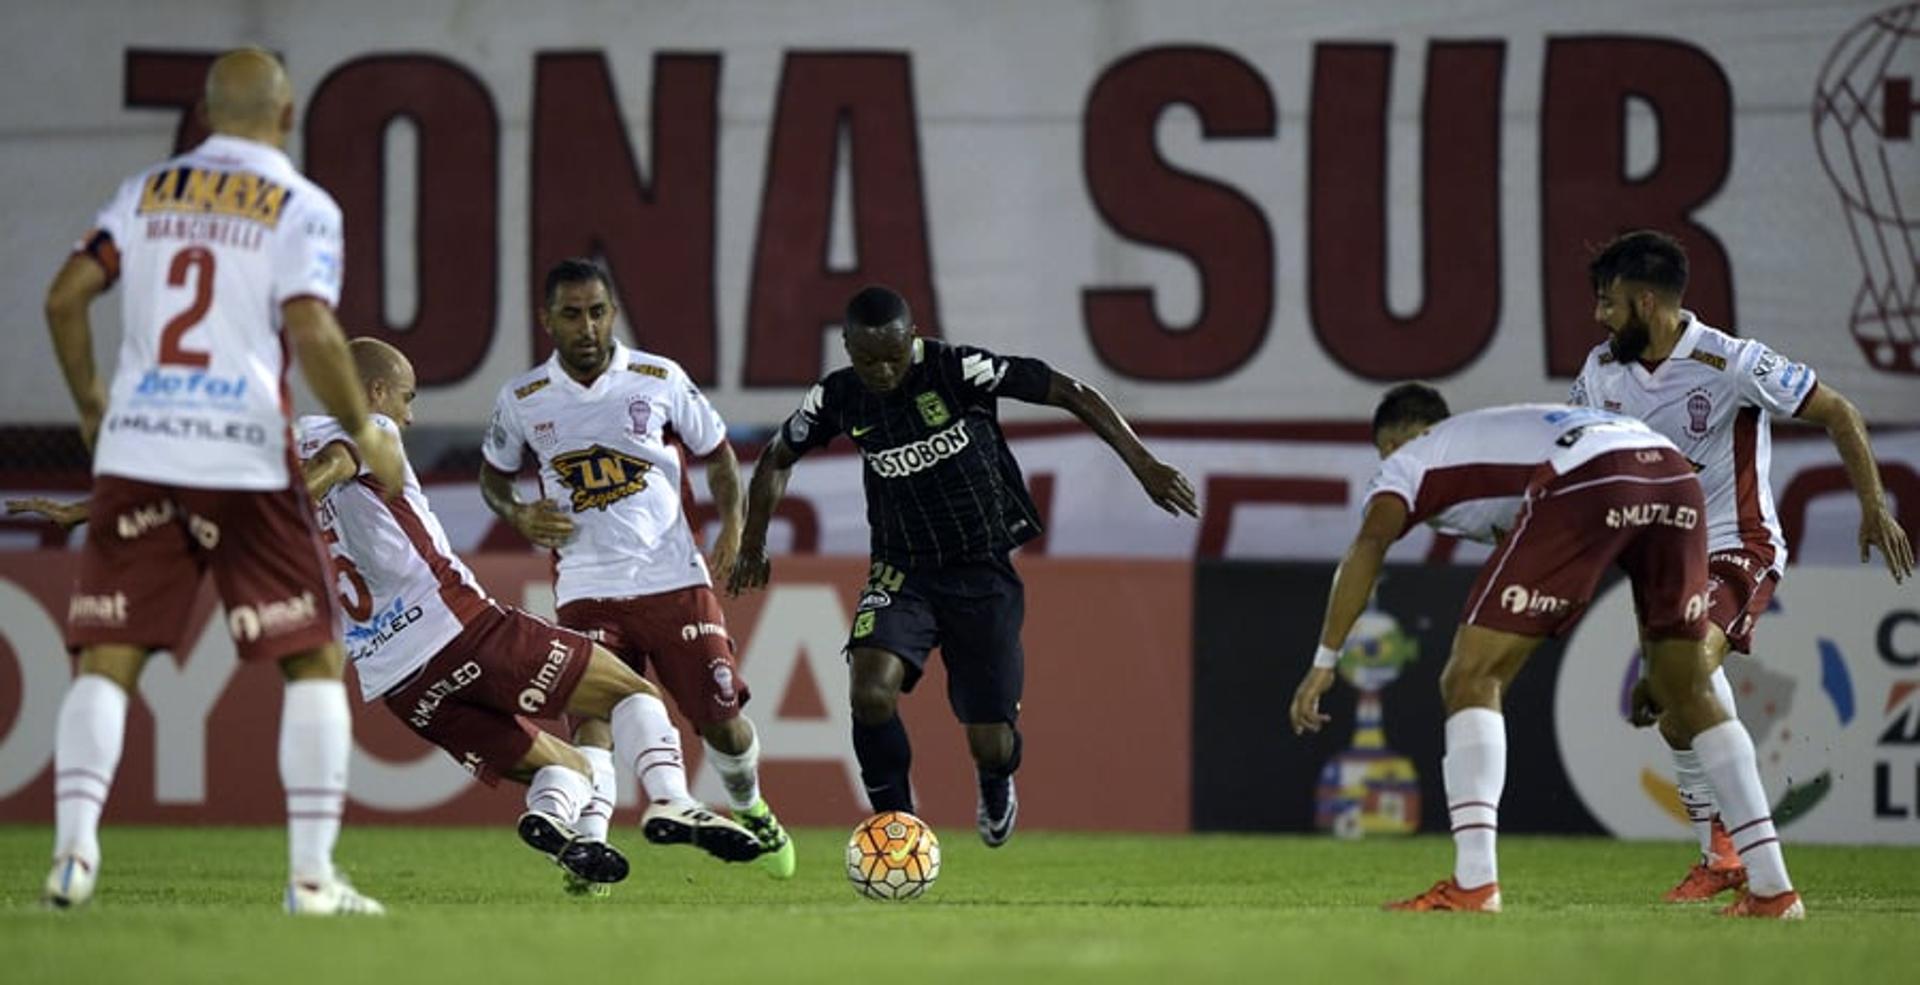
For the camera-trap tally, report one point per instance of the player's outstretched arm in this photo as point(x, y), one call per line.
point(1828, 408)
point(769, 483)
point(1164, 484)
point(723, 483)
point(80, 280)
point(329, 467)
point(540, 522)
point(1380, 526)
point(67, 515)
point(328, 367)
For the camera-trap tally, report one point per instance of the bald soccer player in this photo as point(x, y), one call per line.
point(229, 257)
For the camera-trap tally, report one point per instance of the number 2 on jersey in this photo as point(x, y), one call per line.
point(197, 262)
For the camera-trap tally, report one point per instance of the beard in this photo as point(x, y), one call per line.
point(1631, 341)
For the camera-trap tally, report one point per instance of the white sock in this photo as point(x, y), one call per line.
point(316, 738)
point(598, 814)
point(1723, 689)
point(559, 791)
point(648, 743)
point(87, 742)
point(1726, 754)
point(739, 774)
point(1475, 771)
point(1696, 795)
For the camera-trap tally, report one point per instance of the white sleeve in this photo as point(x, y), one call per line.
point(1398, 476)
point(1578, 395)
point(506, 439)
point(694, 419)
point(1766, 379)
point(310, 255)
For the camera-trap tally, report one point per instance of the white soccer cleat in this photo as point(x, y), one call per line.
point(69, 885)
point(689, 823)
point(334, 897)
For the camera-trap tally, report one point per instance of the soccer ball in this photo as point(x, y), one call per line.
point(892, 856)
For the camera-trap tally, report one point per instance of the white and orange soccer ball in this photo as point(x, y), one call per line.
point(893, 856)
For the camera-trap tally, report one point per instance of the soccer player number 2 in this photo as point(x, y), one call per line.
point(197, 262)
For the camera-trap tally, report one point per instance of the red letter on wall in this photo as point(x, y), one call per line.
point(1460, 201)
point(1587, 197)
point(590, 197)
point(170, 80)
point(1148, 200)
point(456, 247)
point(795, 294)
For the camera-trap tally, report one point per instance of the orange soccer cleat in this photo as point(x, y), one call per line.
point(1449, 895)
point(1710, 878)
point(1785, 906)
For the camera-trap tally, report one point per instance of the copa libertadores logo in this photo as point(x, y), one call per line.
point(1865, 118)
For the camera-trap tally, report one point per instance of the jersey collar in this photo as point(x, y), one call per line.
point(618, 361)
point(1689, 336)
point(244, 150)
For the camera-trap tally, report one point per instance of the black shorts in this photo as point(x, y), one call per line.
point(971, 611)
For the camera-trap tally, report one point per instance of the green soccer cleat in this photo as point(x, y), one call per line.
point(576, 886)
point(777, 857)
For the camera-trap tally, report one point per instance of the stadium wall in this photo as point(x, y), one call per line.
point(1216, 210)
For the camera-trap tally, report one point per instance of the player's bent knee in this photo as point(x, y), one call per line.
point(1470, 683)
point(873, 704)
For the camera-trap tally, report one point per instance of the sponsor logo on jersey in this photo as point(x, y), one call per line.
point(1525, 602)
point(1696, 607)
point(240, 194)
point(982, 371)
point(694, 630)
point(183, 426)
point(1653, 514)
point(429, 701)
point(190, 387)
point(1708, 358)
point(98, 610)
point(1699, 412)
point(862, 431)
point(366, 638)
point(933, 410)
point(530, 389)
point(534, 696)
point(1766, 364)
point(1739, 559)
point(917, 456)
point(874, 598)
point(648, 369)
point(600, 476)
point(204, 530)
point(250, 622)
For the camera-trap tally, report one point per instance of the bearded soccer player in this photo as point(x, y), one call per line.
point(606, 424)
point(1563, 492)
point(946, 504)
point(1713, 396)
point(229, 256)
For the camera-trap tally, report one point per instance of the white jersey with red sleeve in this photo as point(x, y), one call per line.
point(1468, 474)
point(207, 247)
point(404, 595)
point(1713, 397)
point(609, 454)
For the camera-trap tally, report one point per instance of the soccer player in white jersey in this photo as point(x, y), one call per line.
point(1564, 492)
point(606, 424)
point(228, 256)
point(1713, 396)
point(465, 672)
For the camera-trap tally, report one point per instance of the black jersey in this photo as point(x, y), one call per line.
point(941, 485)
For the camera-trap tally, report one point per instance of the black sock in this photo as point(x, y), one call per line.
point(885, 757)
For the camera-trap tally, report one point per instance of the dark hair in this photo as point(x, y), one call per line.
point(575, 270)
point(1409, 403)
point(876, 306)
point(1643, 256)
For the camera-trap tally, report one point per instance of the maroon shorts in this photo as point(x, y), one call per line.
point(1740, 584)
point(149, 545)
point(1639, 508)
point(683, 634)
point(476, 697)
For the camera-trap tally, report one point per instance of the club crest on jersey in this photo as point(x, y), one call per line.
point(1699, 411)
point(933, 410)
point(639, 412)
point(544, 434)
point(600, 476)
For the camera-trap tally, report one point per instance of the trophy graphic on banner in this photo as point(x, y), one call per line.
point(1368, 788)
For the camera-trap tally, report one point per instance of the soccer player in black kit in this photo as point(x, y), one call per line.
point(946, 504)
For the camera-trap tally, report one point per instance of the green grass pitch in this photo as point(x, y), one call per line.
point(474, 906)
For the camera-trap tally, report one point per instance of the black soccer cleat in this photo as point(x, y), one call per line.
point(999, 806)
point(593, 861)
point(688, 823)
